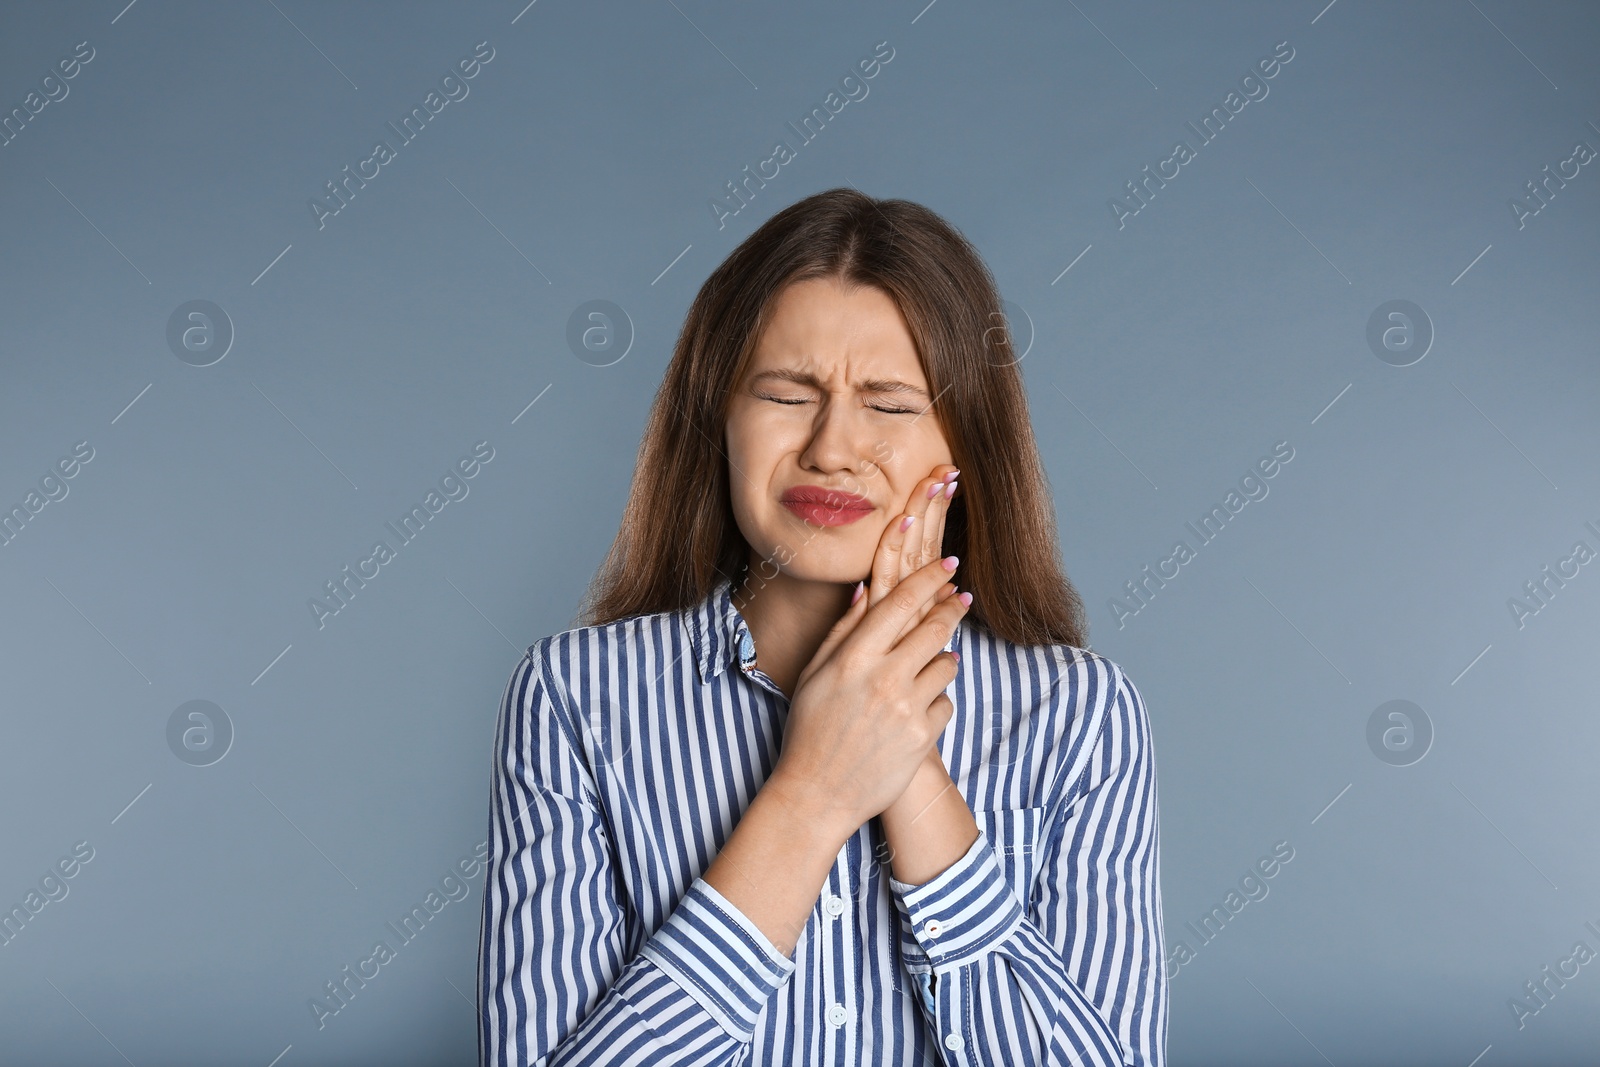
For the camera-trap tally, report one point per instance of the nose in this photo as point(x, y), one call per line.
point(841, 440)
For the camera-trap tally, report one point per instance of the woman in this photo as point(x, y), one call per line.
point(914, 825)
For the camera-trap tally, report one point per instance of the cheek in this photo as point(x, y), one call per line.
point(748, 436)
point(750, 467)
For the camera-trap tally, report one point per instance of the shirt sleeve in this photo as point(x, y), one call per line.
point(1077, 976)
point(554, 987)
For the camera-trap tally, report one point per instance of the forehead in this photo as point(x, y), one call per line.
point(819, 326)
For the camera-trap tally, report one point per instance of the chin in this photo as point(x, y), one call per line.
point(839, 570)
point(809, 564)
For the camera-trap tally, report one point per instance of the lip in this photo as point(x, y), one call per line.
point(821, 506)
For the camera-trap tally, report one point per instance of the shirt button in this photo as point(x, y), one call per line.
point(933, 928)
point(833, 905)
point(837, 1014)
point(953, 1042)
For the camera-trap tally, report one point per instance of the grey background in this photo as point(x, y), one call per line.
point(429, 314)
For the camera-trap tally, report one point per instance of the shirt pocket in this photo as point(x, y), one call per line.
point(1016, 835)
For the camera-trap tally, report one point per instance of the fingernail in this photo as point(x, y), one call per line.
point(966, 598)
point(860, 588)
point(956, 654)
point(905, 523)
point(933, 490)
point(950, 562)
point(955, 474)
point(950, 490)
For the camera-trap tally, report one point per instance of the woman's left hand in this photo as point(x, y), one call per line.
point(902, 553)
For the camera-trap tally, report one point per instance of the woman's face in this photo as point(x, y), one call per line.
point(834, 403)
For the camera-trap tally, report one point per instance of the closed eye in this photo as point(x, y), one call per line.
point(874, 407)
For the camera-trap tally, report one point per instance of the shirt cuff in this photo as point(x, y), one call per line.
point(719, 957)
point(954, 917)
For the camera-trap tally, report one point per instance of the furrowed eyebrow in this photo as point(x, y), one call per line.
point(871, 385)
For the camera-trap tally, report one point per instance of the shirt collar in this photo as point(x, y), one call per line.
point(721, 637)
point(716, 629)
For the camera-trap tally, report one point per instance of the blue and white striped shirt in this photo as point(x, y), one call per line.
point(626, 754)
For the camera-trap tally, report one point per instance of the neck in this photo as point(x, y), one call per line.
point(788, 618)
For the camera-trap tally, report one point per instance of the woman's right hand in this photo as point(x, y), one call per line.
point(871, 702)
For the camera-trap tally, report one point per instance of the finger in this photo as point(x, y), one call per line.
point(923, 644)
point(920, 549)
point(923, 506)
point(936, 677)
point(932, 529)
point(896, 614)
point(940, 712)
point(944, 592)
point(931, 526)
point(842, 629)
point(886, 566)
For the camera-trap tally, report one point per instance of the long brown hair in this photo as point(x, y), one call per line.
point(678, 536)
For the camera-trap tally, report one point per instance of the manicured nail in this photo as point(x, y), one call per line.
point(950, 490)
point(955, 474)
point(956, 654)
point(933, 490)
point(860, 588)
point(950, 562)
point(905, 523)
point(966, 598)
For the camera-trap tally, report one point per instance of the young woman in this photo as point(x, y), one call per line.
point(788, 796)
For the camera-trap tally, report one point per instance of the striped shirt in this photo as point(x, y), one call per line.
point(624, 756)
